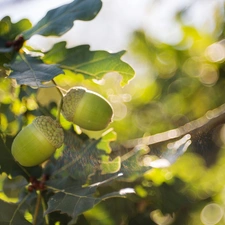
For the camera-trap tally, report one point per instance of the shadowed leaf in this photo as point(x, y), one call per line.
point(74, 200)
point(32, 71)
point(15, 213)
point(83, 157)
point(59, 20)
point(12, 186)
point(131, 166)
point(80, 158)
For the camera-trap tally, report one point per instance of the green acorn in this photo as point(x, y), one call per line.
point(87, 109)
point(35, 143)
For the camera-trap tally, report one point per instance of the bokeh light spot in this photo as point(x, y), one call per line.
point(208, 75)
point(191, 66)
point(211, 214)
point(216, 52)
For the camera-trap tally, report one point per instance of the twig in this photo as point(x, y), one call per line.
point(37, 208)
point(60, 90)
point(195, 128)
point(44, 209)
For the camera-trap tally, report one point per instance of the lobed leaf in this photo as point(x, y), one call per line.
point(106, 138)
point(32, 71)
point(110, 166)
point(9, 31)
point(83, 157)
point(59, 20)
point(73, 199)
point(91, 64)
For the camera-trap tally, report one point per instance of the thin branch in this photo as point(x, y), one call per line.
point(44, 209)
point(60, 90)
point(195, 128)
point(35, 217)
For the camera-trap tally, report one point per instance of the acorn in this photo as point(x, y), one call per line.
point(87, 109)
point(35, 143)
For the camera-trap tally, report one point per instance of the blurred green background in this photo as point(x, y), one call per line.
point(180, 76)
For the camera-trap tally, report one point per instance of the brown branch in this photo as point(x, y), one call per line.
point(195, 128)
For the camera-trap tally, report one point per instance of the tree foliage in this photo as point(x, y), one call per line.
point(128, 173)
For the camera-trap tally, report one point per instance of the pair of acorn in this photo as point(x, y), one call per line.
point(35, 143)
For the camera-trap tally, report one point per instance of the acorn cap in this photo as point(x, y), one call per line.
point(74, 95)
point(51, 129)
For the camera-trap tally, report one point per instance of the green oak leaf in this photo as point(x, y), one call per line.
point(13, 213)
point(4, 50)
point(17, 213)
point(12, 186)
point(91, 64)
point(110, 166)
point(9, 31)
point(109, 136)
point(59, 20)
point(72, 199)
point(131, 166)
point(32, 71)
point(80, 158)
